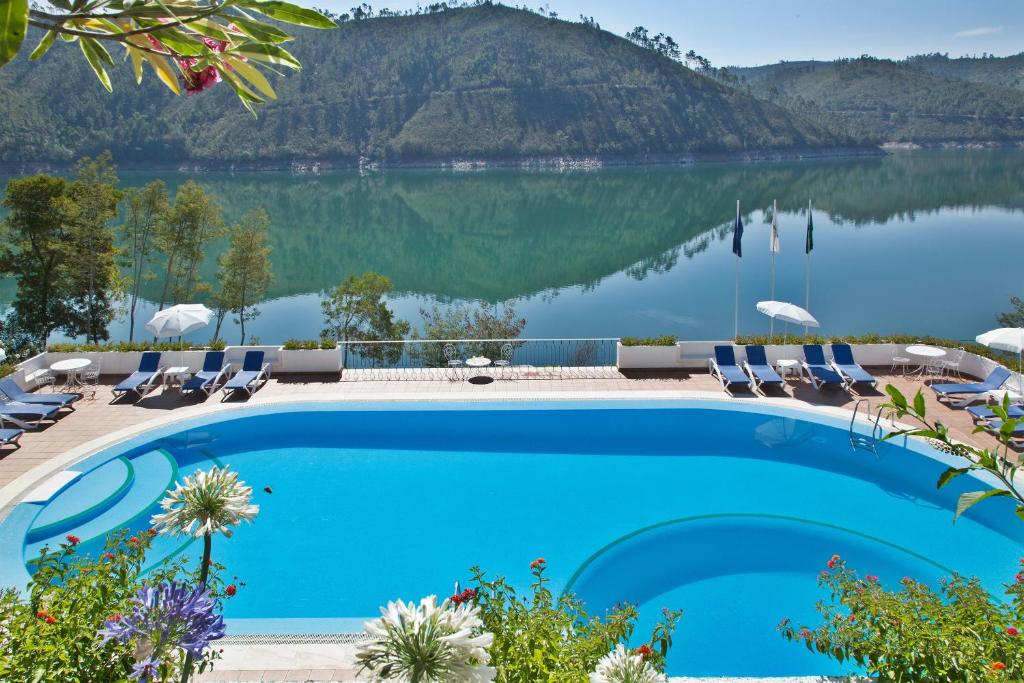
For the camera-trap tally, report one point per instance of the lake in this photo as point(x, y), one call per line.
point(922, 242)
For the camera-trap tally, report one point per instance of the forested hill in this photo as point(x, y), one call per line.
point(483, 82)
point(1008, 71)
point(924, 100)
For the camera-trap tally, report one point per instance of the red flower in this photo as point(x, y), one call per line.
point(108, 556)
point(51, 620)
point(197, 81)
point(1020, 577)
point(872, 578)
point(805, 634)
point(152, 531)
point(823, 574)
point(134, 540)
point(1012, 631)
point(998, 666)
point(116, 617)
point(538, 563)
point(42, 614)
point(231, 590)
point(832, 562)
point(644, 651)
point(852, 618)
point(72, 539)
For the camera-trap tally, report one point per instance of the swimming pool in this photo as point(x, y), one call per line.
point(728, 510)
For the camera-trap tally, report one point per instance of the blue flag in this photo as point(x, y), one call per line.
point(737, 237)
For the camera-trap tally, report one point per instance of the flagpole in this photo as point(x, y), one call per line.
point(771, 245)
point(807, 272)
point(736, 328)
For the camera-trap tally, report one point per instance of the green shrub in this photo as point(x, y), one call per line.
point(915, 634)
point(540, 638)
point(309, 344)
point(214, 345)
point(6, 369)
point(666, 340)
point(51, 632)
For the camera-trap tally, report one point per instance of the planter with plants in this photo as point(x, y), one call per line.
point(310, 356)
point(647, 353)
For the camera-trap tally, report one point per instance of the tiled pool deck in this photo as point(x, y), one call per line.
point(96, 419)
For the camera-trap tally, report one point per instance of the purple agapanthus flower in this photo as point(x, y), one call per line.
point(167, 616)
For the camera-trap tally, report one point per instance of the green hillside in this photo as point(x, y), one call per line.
point(1006, 71)
point(882, 101)
point(488, 81)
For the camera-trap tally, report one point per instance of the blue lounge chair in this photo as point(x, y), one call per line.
point(723, 367)
point(818, 369)
point(143, 380)
point(971, 391)
point(8, 436)
point(760, 371)
point(995, 424)
point(27, 415)
point(206, 380)
point(10, 389)
point(982, 413)
point(248, 378)
point(845, 365)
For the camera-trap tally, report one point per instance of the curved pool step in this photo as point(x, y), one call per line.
point(153, 473)
point(92, 494)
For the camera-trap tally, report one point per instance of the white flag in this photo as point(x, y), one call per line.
point(774, 246)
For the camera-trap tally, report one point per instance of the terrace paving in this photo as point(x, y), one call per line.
point(98, 418)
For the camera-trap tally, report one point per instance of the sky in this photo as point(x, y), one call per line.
point(752, 32)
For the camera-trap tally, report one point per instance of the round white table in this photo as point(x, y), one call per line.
point(477, 363)
point(71, 366)
point(926, 353)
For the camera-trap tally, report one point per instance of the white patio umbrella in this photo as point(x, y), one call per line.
point(787, 313)
point(1006, 339)
point(179, 320)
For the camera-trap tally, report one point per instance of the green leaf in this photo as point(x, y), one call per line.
point(898, 399)
point(13, 25)
point(44, 45)
point(1020, 511)
point(289, 13)
point(94, 55)
point(951, 474)
point(270, 54)
point(969, 500)
point(136, 56)
point(919, 403)
point(253, 75)
point(257, 30)
point(182, 43)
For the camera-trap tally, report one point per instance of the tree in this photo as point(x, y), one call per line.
point(193, 222)
point(245, 273)
point(483, 322)
point(145, 208)
point(1014, 318)
point(92, 272)
point(196, 42)
point(356, 310)
point(35, 249)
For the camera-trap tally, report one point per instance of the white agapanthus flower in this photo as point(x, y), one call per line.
point(205, 503)
point(427, 643)
point(622, 666)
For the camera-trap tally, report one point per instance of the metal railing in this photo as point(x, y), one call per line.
point(425, 359)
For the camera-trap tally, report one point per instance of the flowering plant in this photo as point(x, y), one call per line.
point(52, 632)
point(205, 503)
point(428, 643)
point(915, 634)
point(538, 637)
point(622, 666)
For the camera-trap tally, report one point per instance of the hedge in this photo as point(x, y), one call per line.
point(666, 340)
point(215, 345)
point(309, 344)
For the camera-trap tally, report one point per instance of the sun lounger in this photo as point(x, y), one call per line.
point(9, 435)
point(760, 371)
point(971, 392)
point(724, 367)
point(27, 415)
point(982, 413)
point(206, 380)
point(845, 365)
point(248, 378)
point(10, 389)
point(818, 369)
point(995, 424)
point(143, 380)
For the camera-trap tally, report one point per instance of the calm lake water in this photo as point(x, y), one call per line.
point(926, 242)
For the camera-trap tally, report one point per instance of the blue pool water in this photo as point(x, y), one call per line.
point(724, 510)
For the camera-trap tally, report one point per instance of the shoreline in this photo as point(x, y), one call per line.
point(470, 163)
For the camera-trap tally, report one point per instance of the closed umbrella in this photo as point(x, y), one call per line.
point(787, 313)
point(1006, 339)
point(179, 320)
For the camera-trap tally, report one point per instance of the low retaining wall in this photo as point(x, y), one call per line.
point(694, 355)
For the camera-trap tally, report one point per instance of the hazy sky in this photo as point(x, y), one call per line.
point(748, 32)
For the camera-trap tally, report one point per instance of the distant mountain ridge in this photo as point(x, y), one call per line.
point(925, 99)
point(487, 82)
